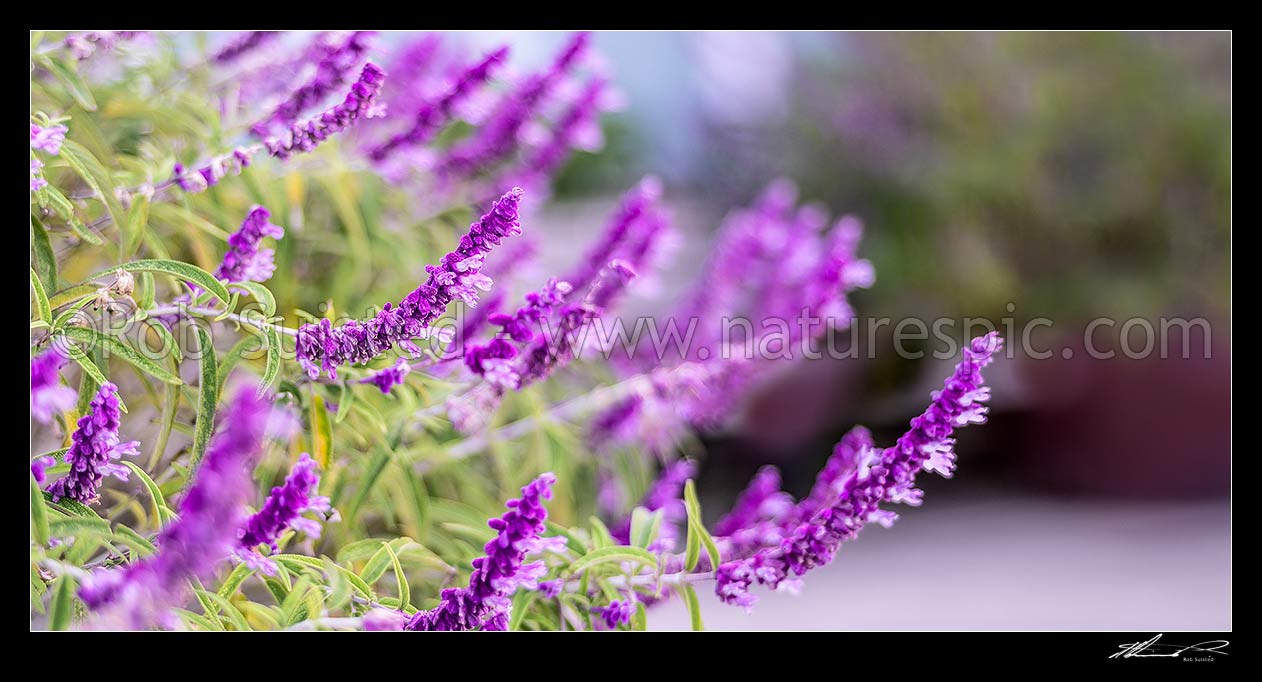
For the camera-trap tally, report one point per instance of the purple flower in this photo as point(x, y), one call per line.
point(37, 178)
point(83, 45)
point(93, 446)
point(245, 261)
point(484, 604)
point(283, 510)
point(359, 103)
point(331, 73)
point(389, 377)
point(575, 125)
point(48, 139)
point(844, 460)
point(385, 620)
point(205, 534)
point(624, 227)
point(248, 41)
point(881, 475)
point(38, 465)
point(498, 137)
point(519, 328)
point(48, 395)
point(432, 115)
point(198, 179)
point(619, 612)
point(458, 276)
point(761, 499)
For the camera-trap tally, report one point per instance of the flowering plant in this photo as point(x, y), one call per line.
point(206, 226)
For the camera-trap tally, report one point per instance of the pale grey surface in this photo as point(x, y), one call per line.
point(998, 562)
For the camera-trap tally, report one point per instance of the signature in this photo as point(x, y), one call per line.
point(1153, 649)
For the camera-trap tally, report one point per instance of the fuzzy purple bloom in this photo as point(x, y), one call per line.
point(517, 327)
point(283, 510)
point(619, 612)
point(457, 277)
point(576, 123)
point(248, 41)
point(484, 604)
point(48, 139)
point(245, 261)
point(359, 103)
point(761, 499)
point(389, 377)
point(331, 74)
point(94, 445)
point(432, 115)
point(882, 475)
point(621, 229)
point(38, 465)
point(37, 178)
point(48, 395)
point(498, 137)
point(205, 534)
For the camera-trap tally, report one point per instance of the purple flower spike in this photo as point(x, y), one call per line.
point(37, 177)
point(519, 328)
point(283, 510)
point(485, 603)
point(458, 276)
point(48, 395)
point(880, 475)
point(242, 44)
point(141, 594)
point(389, 377)
point(48, 139)
point(434, 114)
point(245, 262)
point(761, 499)
point(359, 103)
point(93, 448)
point(331, 74)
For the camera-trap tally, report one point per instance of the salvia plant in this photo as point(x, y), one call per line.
point(288, 370)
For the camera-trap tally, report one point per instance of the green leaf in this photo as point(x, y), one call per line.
point(39, 515)
point(694, 607)
point(273, 362)
point(62, 610)
point(226, 607)
point(41, 298)
point(135, 540)
point(405, 593)
point(93, 173)
point(234, 580)
point(137, 222)
point(321, 432)
point(185, 271)
point(45, 259)
point(146, 290)
point(260, 293)
point(160, 508)
point(645, 526)
point(74, 294)
point(78, 525)
point(75, 84)
point(606, 555)
point(696, 527)
point(90, 368)
point(68, 506)
point(208, 399)
point(376, 566)
point(115, 346)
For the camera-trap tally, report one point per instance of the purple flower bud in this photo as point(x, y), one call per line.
point(245, 262)
point(48, 139)
point(48, 395)
point(283, 510)
point(389, 377)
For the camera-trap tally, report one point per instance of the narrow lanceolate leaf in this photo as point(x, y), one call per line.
point(260, 293)
point(74, 83)
point(137, 223)
point(234, 580)
point(93, 173)
point(160, 508)
point(62, 610)
point(39, 515)
point(189, 273)
point(696, 527)
point(405, 594)
point(116, 346)
point(74, 294)
point(321, 432)
point(45, 260)
point(78, 525)
point(41, 298)
point(694, 607)
point(273, 362)
point(208, 398)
